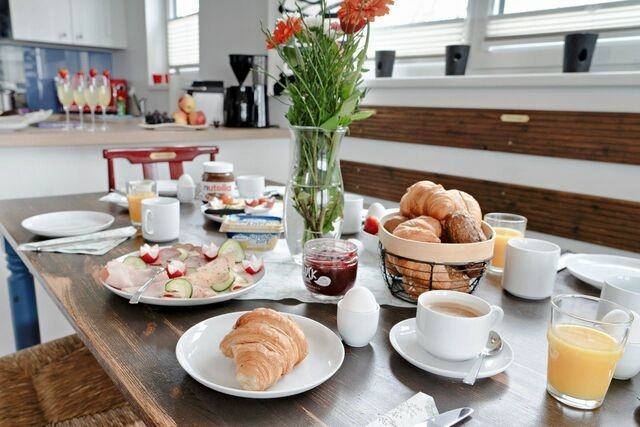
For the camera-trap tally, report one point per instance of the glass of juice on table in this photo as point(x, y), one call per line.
point(506, 226)
point(586, 339)
point(136, 192)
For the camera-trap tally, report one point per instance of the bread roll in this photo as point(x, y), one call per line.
point(417, 277)
point(461, 227)
point(420, 229)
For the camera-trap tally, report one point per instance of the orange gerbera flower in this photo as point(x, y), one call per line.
point(354, 14)
point(285, 29)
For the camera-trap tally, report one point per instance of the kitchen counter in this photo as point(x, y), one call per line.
point(127, 132)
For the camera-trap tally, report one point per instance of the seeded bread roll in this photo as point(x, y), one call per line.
point(461, 227)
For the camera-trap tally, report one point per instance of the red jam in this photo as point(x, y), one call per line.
point(329, 267)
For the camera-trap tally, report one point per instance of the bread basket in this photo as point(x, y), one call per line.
point(410, 267)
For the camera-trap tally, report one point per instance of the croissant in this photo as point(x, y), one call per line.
point(421, 229)
point(427, 198)
point(265, 345)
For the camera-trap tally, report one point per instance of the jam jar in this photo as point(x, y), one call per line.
point(217, 180)
point(329, 267)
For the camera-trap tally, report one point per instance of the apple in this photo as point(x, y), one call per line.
point(187, 104)
point(180, 118)
point(371, 225)
point(197, 118)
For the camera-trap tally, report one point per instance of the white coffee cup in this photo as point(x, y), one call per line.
point(160, 219)
point(352, 213)
point(250, 186)
point(452, 336)
point(625, 290)
point(530, 268)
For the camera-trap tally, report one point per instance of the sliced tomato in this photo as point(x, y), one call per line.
point(149, 253)
point(176, 268)
point(253, 265)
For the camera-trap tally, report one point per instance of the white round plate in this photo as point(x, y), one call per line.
point(172, 126)
point(593, 269)
point(181, 302)
point(67, 223)
point(404, 340)
point(198, 353)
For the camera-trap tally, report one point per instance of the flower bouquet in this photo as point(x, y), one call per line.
point(325, 57)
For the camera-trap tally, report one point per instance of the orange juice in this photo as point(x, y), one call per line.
point(500, 246)
point(135, 211)
point(581, 361)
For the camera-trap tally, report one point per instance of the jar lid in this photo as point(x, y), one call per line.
point(218, 167)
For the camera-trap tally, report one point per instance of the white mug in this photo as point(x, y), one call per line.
point(625, 290)
point(450, 336)
point(250, 186)
point(530, 268)
point(160, 219)
point(352, 213)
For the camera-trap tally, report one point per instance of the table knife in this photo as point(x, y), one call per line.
point(447, 419)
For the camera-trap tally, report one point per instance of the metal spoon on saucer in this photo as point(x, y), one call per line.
point(493, 346)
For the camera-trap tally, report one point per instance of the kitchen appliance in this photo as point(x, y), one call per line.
point(209, 97)
point(238, 100)
point(260, 103)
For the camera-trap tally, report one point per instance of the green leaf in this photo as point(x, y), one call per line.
point(362, 114)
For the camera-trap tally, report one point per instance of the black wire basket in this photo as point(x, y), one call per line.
point(407, 278)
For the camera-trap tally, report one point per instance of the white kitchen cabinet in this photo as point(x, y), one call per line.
point(41, 20)
point(97, 23)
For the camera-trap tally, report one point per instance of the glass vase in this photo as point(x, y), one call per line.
point(314, 197)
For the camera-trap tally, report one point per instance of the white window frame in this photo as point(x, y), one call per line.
point(617, 50)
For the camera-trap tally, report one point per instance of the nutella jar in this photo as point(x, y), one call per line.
point(217, 180)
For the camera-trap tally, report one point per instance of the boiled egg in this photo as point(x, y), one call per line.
point(359, 299)
point(376, 210)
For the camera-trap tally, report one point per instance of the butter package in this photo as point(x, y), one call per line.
point(254, 232)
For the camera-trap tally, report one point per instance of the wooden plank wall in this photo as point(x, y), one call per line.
point(605, 137)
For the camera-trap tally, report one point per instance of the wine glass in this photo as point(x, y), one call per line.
point(78, 85)
point(65, 96)
point(104, 97)
point(91, 98)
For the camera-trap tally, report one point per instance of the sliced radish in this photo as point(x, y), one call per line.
point(176, 268)
point(149, 253)
point(252, 265)
point(210, 251)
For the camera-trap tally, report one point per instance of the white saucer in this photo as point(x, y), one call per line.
point(405, 341)
point(67, 223)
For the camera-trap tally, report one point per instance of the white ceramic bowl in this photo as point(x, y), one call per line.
point(629, 365)
point(369, 241)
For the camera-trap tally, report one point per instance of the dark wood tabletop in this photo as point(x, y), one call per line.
point(136, 346)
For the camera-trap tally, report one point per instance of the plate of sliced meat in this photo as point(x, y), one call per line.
point(184, 274)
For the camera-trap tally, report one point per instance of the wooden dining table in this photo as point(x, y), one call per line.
point(136, 344)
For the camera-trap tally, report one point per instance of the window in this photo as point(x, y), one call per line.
point(420, 28)
point(183, 34)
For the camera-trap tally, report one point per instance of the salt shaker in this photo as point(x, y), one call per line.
point(186, 189)
point(358, 314)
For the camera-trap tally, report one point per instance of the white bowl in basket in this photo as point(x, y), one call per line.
point(445, 253)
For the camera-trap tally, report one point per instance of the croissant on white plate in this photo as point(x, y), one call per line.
point(265, 345)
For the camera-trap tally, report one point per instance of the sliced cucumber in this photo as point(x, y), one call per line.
point(190, 270)
point(225, 284)
point(135, 261)
point(184, 253)
point(180, 288)
point(233, 248)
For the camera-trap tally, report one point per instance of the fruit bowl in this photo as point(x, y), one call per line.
point(411, 267)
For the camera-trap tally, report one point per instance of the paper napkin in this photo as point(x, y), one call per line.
point(410, 412)
point(91, 244)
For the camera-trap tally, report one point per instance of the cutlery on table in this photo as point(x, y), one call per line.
point(447, 419)
point(135, 298)
point(493, 346)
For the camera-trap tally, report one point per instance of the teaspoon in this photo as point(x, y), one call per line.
point(493, 346)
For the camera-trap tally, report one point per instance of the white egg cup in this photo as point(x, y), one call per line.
point(629, 365)
point(357, 328)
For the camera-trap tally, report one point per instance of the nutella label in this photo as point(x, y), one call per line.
point(210, 189)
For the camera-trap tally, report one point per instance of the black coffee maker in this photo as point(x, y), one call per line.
point(239, 108)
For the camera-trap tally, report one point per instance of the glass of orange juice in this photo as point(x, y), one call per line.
point(506, 226)
point(586, 339)
point(136, 192)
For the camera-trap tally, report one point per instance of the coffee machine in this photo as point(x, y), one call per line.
point(246, 106)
